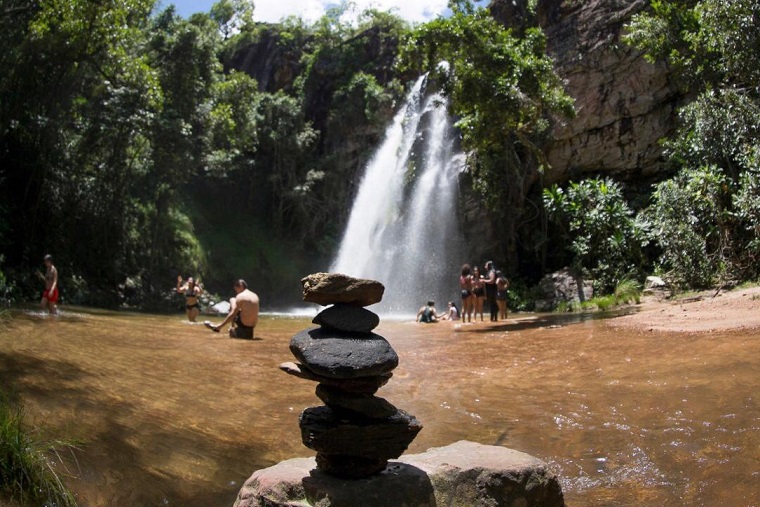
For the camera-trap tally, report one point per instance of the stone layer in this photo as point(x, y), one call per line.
point(348, 318)
point(330, 288)
point(325, 432)
point(343, 356)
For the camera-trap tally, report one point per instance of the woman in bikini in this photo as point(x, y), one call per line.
point(479, 290)
point(191, 292)
point(468, 298)
point(502, 284)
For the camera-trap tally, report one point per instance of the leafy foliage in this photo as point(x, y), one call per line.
point(705, 217)
point(599, 230)
point(110, 114)
point(27, 475)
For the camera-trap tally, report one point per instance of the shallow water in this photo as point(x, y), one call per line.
point(168, 413)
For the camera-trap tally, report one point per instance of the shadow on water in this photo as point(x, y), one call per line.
point(548, 320)
point(16, 367)
point(131, 444)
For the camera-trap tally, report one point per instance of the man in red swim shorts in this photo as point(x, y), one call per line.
point(50, 295)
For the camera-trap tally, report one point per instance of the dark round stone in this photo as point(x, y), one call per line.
point(350, 467)
point(325, 431)
point(348, 318)
point(354, 404)
point(343, 355)
point(362, 385)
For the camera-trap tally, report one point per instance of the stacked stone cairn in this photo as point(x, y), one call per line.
point(356, 432)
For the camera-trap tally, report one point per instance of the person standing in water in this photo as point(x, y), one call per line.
point(191, 292)
point(244, 313)
point(50, 295)
point(490, 283)
point(502, 284)
point(479, 291)
point(468, 298)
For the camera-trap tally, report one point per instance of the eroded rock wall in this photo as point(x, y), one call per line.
point(624, 104)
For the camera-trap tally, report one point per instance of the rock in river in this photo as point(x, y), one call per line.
point(330, 288)
point(349, 318)
point(352, 404)
point(340, 355)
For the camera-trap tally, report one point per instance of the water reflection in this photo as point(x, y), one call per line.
point(169, 413)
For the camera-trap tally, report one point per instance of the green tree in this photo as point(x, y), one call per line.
point(705, 212)
point(599, 230)
point(690, 222)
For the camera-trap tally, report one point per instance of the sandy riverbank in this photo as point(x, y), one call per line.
point(704, 312)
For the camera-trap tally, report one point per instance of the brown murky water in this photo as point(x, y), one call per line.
point(169, 413)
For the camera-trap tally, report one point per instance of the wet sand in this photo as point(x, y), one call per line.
point(169, 413)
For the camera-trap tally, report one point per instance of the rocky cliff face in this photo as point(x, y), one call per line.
point(625, 105)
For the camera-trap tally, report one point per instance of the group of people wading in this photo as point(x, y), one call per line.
point(244, 307)
point(479, 290)
point(242, 317)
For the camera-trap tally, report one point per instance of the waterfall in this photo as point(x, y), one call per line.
point(404, 228)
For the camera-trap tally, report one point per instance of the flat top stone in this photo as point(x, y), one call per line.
point(466, 455)
point(340, 355)
point(330, 288)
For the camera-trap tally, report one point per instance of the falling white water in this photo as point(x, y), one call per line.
point(404, 226)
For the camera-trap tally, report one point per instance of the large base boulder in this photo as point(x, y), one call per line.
point(463, 474)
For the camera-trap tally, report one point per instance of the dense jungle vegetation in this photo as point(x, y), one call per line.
point(701, 227)
point(132, 150)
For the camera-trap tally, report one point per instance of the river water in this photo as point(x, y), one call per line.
point(168, 413)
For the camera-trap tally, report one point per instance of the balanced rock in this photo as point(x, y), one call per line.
point(325, 432)
point(364, 385)
point(351, 404)
point(330, 288)
point(349, 318)
point(339, 355)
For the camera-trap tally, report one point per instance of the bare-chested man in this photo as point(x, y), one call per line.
point(244, 313)
point(50, 295)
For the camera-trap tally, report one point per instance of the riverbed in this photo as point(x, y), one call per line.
point(165, 412)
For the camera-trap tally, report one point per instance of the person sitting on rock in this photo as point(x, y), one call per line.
point(244, 313)
point(427, 313)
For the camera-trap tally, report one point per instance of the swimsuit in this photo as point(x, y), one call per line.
point(52, 298)
point(479, 292)
point(466, 293)
point(501, 295)
point(188, 295)
point(241, 330)
point(426, 316)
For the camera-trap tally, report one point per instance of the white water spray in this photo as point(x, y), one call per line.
point(404, 226)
